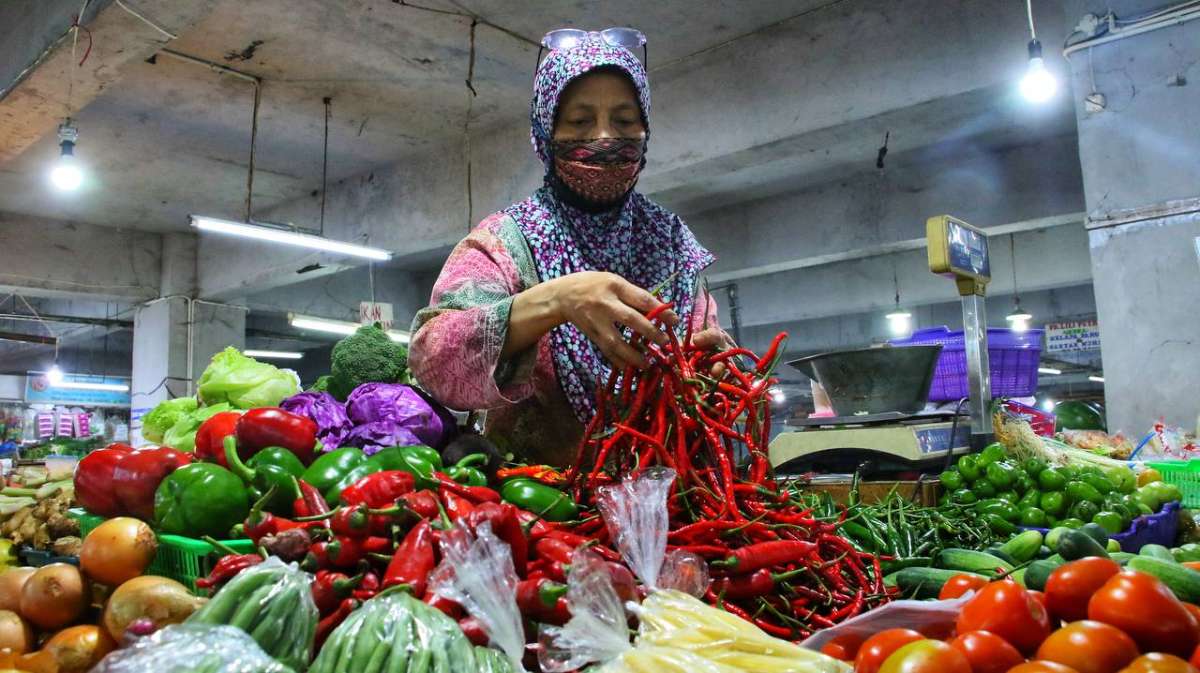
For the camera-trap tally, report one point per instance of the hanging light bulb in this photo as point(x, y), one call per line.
point(1018, 318)
point(899, 319)
point(55, 375)
point(1038, 85)
point(66, 174)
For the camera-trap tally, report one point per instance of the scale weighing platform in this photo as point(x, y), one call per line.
point(893, 441)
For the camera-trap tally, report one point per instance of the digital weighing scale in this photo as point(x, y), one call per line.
point(863, 383)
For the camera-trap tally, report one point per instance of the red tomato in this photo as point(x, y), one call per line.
point(926, 656)
point(843, 647)
point(987, 652)
point(1089, 647)
point(1007, 610)
point(960, 584)
point(1038, 596)
point(1194, 609)
point(1145, 608)
point(1041, 667)
point(1157, 662)
point(880, 646)
point(1071, 585)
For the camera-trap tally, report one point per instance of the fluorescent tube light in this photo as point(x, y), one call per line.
point(1049, 370)
point(274, 355)
point(1096, 379)
point(83, 385)
point(337, 326)
point(273, 235)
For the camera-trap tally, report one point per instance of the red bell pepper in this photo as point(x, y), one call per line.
point(413, 561)
point(94, 480)
point(507, 527)
point(210, 437)
point(270, 426)
point(136, 477)
point(422, 503)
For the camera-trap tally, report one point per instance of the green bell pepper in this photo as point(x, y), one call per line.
point(414, 460)
point(952, 480)
point(1001, 474)
point(326, 471)
point(1051, 479)
point(547, 501)
point(200, 499)
point(969, 467)
point(263, 477)
point(1053, 503)
point(279, 457)
point(465, 472)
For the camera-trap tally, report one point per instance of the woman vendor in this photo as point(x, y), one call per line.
point(533, 307)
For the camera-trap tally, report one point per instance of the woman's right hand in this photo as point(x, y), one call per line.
point(598, 302)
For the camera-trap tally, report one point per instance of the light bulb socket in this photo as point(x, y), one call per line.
point(68, 148)
point(1035, 49)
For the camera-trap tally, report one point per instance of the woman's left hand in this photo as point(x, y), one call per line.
point(713, 338)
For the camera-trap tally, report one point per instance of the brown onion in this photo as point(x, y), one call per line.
point(54, 596)
point(15, 634)
point(11, 583)
point(78, 648)
point(161, 600)
point(118, 550)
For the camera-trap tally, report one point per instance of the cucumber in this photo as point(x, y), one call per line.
point(924, 582)
point(1181, 580)
point(1157, 551)
point(1112, 546)
point(1078, 544)
point(1043, 552)
point(902, 563)
point(997, 551)
point(1121, 557)
point(981, 563)
point(1024, 546)
point(1096, 532)
point(1018, 576)
point(1038, 572)
point(1054, 535)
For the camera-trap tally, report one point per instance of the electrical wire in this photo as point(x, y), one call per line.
point(1171, 16)
point(1029, 12)
point(328, 101)
point(146, 21)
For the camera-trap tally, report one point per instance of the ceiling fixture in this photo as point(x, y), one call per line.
point(1049, 370)
point(1048, 404)
point(1096, 379)
point(55, 374)
point(1018, 318)
point(1038, 85)
point(899, 319)
point(330, 326)
point(84, 385)
point(274, 355)
point(288, 236)
point(778, 396)
point(66, 175)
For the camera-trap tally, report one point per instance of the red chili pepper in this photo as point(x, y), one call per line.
point(535, 526)
point(351, 521)
point(94, 476)
point(423, 503)
point(368, 587)
point(210, 437)
point(332, 620)
point(271, 426)
point(553, 549)
point(457, 507)
point(413, 560)
point(330, 588)
point(311, 502)
point(766, 554)
point(541, 473)
point(472, 628)
point(447, 606)
point(317, 557)
point(543, 600)
point(226, 568)
point(475, 494)
point(379, 489)
point(135, 478)
point(507, 527)
point(761, 582)
point(769, 357)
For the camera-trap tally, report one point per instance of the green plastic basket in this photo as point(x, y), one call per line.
point(180, 558)
point(1183, 473)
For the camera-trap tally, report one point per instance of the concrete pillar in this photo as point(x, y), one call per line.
point(173, 340)
point(1142, 187)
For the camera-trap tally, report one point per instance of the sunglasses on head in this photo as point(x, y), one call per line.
point(566, 38)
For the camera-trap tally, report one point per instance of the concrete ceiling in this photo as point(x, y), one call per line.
point(167, 138)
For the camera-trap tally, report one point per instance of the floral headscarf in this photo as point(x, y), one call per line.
point(640, 240)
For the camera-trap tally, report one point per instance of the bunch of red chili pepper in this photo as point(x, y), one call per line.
point(696, 411)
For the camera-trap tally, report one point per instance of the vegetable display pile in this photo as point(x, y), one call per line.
point(694, 410)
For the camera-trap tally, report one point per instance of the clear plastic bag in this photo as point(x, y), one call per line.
point(192, 648)
point(917, 615)
point(477, 573)
point(396, 632)
point(635, 512)
point(272, 602)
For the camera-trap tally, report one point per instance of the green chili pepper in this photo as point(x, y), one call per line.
point(263, 477)
point(551, 503)
point(952, 480)
point(411, 459)
point(465, 472)
point(326, 471)
point(1001, 474)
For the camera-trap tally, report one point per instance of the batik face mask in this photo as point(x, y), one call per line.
point(599, 171)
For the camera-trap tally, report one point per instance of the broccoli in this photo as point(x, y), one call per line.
point(369, 355)
point(321, 385)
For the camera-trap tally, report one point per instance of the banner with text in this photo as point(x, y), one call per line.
point(1073, 335)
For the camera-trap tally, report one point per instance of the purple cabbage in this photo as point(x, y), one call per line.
point(330, 416)
point(391, 407)
point(373, 437)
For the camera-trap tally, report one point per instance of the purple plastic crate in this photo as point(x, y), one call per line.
point(1149, 529)
point(1012, 358)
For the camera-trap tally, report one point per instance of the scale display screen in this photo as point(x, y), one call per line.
point(957, 249)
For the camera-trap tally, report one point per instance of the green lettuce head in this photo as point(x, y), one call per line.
point(166, 414)
point(244, 382)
